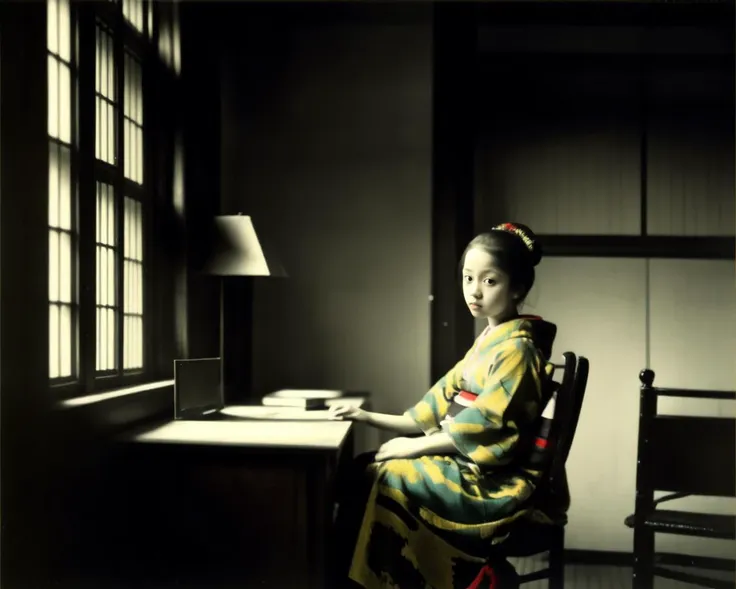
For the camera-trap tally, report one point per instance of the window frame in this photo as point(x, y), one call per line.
point(73, 231)
point(143, 45)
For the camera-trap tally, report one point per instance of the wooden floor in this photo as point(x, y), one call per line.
point(578, 576)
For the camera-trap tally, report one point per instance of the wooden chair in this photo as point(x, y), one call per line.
point(527, 538)
point(681, 455)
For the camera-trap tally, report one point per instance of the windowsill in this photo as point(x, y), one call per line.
point(114, 394)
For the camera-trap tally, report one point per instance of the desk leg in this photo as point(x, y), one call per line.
point(321, 493)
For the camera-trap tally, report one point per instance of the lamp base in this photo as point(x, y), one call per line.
point(236, 339)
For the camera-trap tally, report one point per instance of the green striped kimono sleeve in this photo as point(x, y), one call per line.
point(432, 409)
point(488, 431)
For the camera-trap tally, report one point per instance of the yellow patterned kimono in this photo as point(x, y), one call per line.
point(430, 522)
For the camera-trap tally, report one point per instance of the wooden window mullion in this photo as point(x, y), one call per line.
point(87, 197)
point(119, 58)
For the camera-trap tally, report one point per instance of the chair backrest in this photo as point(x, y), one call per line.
point(568, 405)
point(683, 454)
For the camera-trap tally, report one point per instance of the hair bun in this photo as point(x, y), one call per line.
point(527, 237)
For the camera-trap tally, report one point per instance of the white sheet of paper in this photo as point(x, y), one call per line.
point(280, 413)
point(306, 394)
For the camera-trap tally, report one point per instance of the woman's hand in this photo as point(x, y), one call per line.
point(400, 448)
point(346, 413)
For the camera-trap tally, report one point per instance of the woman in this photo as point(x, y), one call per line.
point(434, 500)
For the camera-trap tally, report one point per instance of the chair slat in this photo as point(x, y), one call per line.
point(694, 394)
point(691, 455)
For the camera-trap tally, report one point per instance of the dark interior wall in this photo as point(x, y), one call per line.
point(591, 115)
point(326, 141)
point(23, 293)
point(197, 311)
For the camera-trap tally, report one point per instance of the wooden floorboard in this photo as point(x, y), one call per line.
point(583, 576)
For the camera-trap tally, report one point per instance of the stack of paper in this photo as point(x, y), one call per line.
point(302, 398)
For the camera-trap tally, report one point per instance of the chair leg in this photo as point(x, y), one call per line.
point(504, 572)
point(557, 561)
point(507, 576)
point(643, 559)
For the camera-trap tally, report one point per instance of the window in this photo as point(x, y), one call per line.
point(105, 294)
point(105, 97)
point(139, 13)
point(63, 303)
point(98, 341)
point(133, 13)
point(119, 202)
point(133, 299)
point(133, 120)
point(133, 315)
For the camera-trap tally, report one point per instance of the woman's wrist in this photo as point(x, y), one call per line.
point(436, 443)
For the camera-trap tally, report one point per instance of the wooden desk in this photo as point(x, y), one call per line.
point(255, 427)
point(263, 489)
point(258, 434)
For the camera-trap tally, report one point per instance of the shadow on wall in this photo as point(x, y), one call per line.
point(334, 155)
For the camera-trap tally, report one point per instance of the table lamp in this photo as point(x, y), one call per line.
point(238, 253)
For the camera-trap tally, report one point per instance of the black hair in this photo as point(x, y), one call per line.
point(515, 251)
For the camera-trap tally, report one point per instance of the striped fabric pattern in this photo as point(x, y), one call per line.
point(444, 512)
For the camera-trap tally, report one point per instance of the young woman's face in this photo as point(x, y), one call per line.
point(486, 288)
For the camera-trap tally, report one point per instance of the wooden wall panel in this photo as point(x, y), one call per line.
point(690, 172)
point(598, 306)
point(558, 145)
point(567, 175)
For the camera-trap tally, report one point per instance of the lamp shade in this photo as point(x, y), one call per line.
point(238, 250)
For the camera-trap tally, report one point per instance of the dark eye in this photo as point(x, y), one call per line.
point(467, 278)
point(490, 281)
